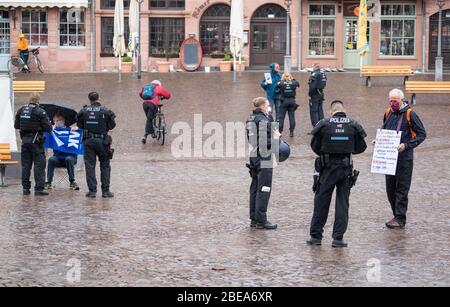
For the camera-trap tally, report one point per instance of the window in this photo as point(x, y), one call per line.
point(167, 4)
point(397, 31)
point(108, 36)
point(35, 27)
point(166, 36)
point(110, 4)
point(4, 32)
point(72, 27)
point(215, 30)
point(322, 34)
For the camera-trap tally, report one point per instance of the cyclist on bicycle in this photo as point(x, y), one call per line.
point(22, 46)
point(152, 95)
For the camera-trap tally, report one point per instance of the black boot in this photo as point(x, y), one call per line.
point(314, 242)
point(26, 192)
point(253, 224)
point(266, 226)
point(107, 195)
point(41, 193)
point(339, 244)
point(91, 195)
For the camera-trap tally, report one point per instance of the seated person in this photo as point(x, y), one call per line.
point(61, 159)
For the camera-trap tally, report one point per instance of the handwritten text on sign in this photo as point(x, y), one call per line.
point(385, 155)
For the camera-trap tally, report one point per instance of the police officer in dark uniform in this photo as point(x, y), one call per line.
point(261, 133)
point(33, 122)
point(317, 84)
point(335, 140)
point(97, 121)
point(287, 89)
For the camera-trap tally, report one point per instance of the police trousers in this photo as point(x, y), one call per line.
point(336, 176)
point(397, 188)
point(289, 106)
point(316, 110)
point(93, 148)
point(33, 153)
point(260, 190)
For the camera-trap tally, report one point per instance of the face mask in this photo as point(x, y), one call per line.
point(395, 105)
point(269, 110)
point(59, 125)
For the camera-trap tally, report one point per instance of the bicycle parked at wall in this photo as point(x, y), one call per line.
point(16, 64)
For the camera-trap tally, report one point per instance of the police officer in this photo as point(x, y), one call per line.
point(317, 84)
point(33, 122)
point(261, 134)
point(287, 89)
point(97, 120)
point(334, 140)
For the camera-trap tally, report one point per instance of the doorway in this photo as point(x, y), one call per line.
point(268, 36)
point(351, 55)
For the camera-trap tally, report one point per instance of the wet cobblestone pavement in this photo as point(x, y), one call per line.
point(184, 222)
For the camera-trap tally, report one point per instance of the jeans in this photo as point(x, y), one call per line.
point(69, 163)
point(150, 112)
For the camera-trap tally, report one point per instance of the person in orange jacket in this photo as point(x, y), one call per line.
point(151, 94)
point(22, 47)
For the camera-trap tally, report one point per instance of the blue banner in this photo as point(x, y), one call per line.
point(65, 140)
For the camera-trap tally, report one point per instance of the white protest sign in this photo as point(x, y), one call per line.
point(7, 131)
point(268, 77)
point(385, 154)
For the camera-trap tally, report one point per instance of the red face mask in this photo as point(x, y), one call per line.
point(395, 105)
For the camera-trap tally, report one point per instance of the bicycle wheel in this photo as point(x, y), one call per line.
point(39, 65)
point(161, 130)
point(15, 65)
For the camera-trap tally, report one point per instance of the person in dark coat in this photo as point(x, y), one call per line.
point(287, 89)
point(400, 117)
point(270, 87)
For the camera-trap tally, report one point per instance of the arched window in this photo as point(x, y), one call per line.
point(215, 30)
point(270, 11)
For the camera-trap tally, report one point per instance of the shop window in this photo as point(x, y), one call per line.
point(107, 24)
point(166, 36)
point(110, 4)
point(167, 4)
point(35, 27)
point(72, 27)
point(322, 30)
point(215, 30)
point(397, 30)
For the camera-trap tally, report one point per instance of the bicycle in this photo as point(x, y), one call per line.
point(159, 123)
point(16, 64)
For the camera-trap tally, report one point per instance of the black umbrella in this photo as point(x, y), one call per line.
point(69, 115)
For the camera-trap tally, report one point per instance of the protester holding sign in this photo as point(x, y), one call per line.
point(67, 145)
point(401, 118)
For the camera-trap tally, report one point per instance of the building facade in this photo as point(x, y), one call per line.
point(321, 31)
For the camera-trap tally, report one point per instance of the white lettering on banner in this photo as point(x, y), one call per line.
point(74, 140)
point(385, 154)
point(57, 140)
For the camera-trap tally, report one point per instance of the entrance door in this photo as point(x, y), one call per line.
point(434, 20)
point(268, 35)
point(351, 55)
point(268, 43)
point(4, 40)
